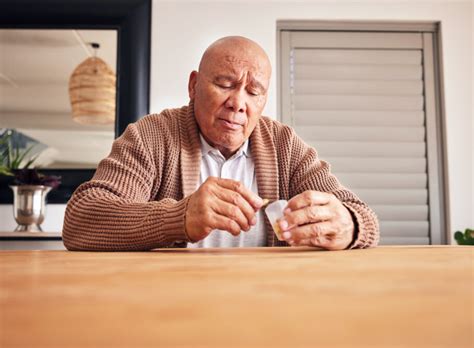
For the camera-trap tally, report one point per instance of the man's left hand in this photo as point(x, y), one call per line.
point(317, 219)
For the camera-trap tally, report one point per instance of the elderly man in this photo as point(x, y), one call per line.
point(195, 176)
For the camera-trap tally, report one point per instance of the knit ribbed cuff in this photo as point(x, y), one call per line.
point(360, 232)
point(173, 223)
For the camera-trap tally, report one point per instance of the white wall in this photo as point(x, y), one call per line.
point(53, 221)
point(183, 29)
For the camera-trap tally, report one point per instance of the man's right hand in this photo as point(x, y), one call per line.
point(222, 204)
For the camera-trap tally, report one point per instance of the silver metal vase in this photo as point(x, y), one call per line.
point(29, 205)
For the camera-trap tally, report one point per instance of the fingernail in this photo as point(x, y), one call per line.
point(287, 235)
point(287, 211)
point(253, 222)
point(283, 224)
point(258, 202)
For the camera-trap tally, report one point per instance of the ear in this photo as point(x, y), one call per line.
point(192, 84)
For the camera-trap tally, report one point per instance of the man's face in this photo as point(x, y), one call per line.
point(229, 92)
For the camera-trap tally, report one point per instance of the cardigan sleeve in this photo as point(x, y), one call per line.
point(308, 172)
point(114, 211)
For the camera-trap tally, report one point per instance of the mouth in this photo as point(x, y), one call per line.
point(230, 125)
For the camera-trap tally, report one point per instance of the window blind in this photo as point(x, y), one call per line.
point(359, 98)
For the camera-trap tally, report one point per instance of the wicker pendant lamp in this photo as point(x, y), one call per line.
point(92, 91)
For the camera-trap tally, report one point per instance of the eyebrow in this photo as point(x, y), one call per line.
point(257, 84)
point(225, 78)
point(229, 78)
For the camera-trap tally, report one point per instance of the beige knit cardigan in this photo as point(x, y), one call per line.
point(138, 196)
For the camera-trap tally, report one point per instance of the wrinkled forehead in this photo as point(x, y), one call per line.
point(237, 66)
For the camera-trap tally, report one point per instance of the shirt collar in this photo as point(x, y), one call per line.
point(208, 149)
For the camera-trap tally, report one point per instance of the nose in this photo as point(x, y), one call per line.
point(236, 101)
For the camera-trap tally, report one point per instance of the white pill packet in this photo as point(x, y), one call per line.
point(274, 212)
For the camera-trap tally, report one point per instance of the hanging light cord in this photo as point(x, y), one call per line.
point(95, 46)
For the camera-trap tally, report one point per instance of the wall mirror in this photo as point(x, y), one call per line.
point(42, 43)
point(35, 70)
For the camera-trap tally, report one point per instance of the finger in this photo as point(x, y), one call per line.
point(319, 242)
point(236, 199)
point(219, 222)
point(232, 212)
point(328, 241)
point(305, 242)
point(309, 198)
point(253, 199)
point(309, 231)
point(306, 215)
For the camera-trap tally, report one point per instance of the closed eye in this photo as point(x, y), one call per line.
point(254, 93)
point(224, 86)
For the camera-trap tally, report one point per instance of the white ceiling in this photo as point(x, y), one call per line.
point(35, 66)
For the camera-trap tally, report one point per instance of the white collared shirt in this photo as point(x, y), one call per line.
point(239, 167)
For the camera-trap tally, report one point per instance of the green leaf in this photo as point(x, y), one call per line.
point(12, 156)
point(468, 236)
point(30, 162)
point(6, 153)
point(20, 156)
point(5, 171)
point(459, 236)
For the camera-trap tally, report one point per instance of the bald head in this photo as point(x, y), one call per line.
point(234, 48)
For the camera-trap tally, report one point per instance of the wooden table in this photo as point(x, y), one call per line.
point(255, 297)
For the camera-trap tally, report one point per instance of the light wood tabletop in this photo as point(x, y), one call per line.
point(249, 297)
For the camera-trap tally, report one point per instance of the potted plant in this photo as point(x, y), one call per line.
point(30, 187)
point(466, 238)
